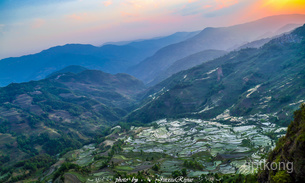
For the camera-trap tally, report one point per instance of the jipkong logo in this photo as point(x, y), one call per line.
point(263, 165)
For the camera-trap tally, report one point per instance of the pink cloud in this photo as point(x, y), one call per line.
point(107, 3)
point(225, 3)
point(207, 6)
point(191, 1)
point(78, 17)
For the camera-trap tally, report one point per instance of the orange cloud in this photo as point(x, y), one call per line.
point(107, 3)
point(279, 4)
point(284, 6)
point(225, 3)
point(275, 7)
point(207, 6)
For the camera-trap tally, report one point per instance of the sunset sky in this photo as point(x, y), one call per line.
point(29, 26)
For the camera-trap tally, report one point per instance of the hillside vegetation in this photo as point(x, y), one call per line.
point(290, 149)
point(61, 113)
point(269, 80)
point(205, 123)
point(220, 38)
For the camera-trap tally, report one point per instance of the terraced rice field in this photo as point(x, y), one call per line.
point(218, 147)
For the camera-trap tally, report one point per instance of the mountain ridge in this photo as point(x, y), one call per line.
point(241, 82)
point(223, 38)
point(65, 110)
point(290, 151)
point(109, 58)
point(72, 68)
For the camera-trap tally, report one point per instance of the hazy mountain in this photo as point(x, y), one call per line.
point(258, 43)
point(255, 44)
point(71, 108)
point(268, 80)
point(188, 62)
point(152, 45)
point(287, 28)
point(58, 128)
point(224, 38)
point(108, 58)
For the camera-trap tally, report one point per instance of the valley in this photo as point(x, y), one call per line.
point(205, 107)
point(171, 144)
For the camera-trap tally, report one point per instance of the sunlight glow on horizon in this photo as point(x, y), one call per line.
point(31, 27)
point(276, 7)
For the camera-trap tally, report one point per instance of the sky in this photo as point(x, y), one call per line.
point(30, 26)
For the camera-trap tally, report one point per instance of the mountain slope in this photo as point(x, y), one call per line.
point(150, 46)
point(258, 43)
point(255, 44)
point(290, 150)
point(225, 38)
point(188, 62)
point(109, 58)
point(72, 69)
point(62, 112)
point(269, 80)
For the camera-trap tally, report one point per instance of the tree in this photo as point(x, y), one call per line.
point(176, 174)
point(156, 167)
point(184, 173)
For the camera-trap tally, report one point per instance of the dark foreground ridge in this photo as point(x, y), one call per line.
point(290, 148)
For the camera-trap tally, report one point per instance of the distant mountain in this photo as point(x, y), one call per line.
point(43, 123)
point(287, 28)
point(259, 43)
point(108, 58)
point(188, 62)
point(72, 69)
point(255, 44)
point(266, 81)
point(154, 44)
point(62, 112)
point(224, 38)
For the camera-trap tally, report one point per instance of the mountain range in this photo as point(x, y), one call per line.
point(222, 78)
point(71, 107)
point(108, 58)
point(223, 38)
point(267, 80)
point(147, 60)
